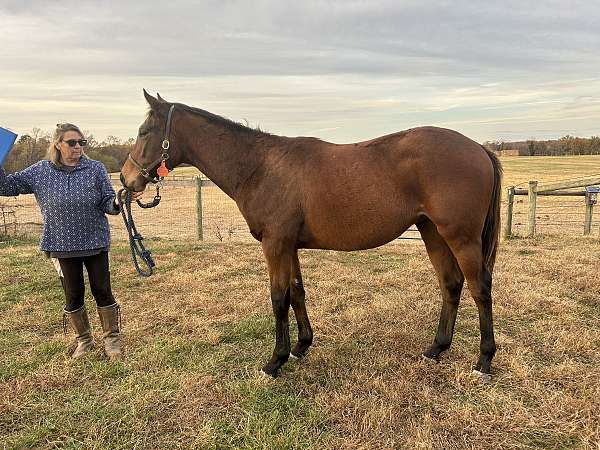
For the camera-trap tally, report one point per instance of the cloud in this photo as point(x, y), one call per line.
point(358, 67)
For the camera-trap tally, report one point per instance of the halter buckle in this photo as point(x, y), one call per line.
point(165, 145)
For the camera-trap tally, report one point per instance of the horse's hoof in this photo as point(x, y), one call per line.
point(265, 376)
point(485, 378)
point(299, 351)
point(429, 360)
point(300, 355)
point(270, 371)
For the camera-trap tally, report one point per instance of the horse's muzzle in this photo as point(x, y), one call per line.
point(124, 183)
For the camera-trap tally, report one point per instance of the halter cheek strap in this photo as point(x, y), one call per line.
point(145, 171)
point(165, 143)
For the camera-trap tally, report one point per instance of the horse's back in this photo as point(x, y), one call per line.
point(420, 163)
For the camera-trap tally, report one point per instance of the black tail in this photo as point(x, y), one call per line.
point(491, 228)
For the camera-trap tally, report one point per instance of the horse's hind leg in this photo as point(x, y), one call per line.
point(451, 281)
point(479, 279)
point(297, 296)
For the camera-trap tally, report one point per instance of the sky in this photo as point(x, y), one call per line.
point(343, 71)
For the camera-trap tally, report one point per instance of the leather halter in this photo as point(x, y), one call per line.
point(145, 171)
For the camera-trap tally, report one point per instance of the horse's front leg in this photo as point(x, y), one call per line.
point(279, 259)
point(297, 296)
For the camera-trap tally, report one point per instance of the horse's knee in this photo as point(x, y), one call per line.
point(297, 289)
point(280, 300)
point(453, 287)
point(483, 291)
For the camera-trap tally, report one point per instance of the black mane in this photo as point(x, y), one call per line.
point(230, 124)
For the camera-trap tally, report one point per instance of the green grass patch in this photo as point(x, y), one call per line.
point(276, 416)
point(249, 330)
point(19, 364)
point(170, 353)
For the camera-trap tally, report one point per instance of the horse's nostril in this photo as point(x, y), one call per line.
point(122, 179)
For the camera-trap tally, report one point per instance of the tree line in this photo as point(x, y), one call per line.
point(565, 146)
point(31, 147)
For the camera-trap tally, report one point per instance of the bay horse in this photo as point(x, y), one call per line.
point(302, 192)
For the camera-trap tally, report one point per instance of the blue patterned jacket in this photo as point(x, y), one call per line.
point(73, 204)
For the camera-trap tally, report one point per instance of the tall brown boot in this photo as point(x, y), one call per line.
point(83, 332)
point(109, 317)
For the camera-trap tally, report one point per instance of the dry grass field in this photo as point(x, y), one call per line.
point(198, 330)
point(548, 169)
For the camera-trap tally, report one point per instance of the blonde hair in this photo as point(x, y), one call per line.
point(53, 153)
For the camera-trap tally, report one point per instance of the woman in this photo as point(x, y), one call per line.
point(74, 194)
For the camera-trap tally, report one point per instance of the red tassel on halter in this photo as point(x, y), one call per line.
point(162, 170)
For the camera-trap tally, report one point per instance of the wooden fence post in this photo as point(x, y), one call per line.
point(509, 212)
point(532, 197)
point(199, 228)
point(589, 208)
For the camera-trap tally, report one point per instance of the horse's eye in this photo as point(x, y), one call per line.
point(144, 132)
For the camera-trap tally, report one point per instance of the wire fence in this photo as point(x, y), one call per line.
point(176, 217)
point(554, 216)
point(180, 216)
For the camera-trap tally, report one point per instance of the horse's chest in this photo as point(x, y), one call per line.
point(271, 218)
point(253, 220)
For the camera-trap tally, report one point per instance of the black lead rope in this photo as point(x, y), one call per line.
point(135, 238)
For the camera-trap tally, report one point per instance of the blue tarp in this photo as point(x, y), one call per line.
point(7, 139)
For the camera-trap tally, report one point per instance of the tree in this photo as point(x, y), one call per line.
point(111, 141)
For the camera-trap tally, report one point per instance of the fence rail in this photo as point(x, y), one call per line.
point(562, 210)
point(195, 208)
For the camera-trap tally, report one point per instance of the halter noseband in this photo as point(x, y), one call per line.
point(145, 171)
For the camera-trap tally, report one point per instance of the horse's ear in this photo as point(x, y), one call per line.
point(151, 100)
point(160, 98)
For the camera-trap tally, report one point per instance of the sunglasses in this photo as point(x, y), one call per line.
point(74, 142)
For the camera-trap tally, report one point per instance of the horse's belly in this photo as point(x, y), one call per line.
point(357, 231)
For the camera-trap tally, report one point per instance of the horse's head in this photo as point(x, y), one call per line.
point(151, 148)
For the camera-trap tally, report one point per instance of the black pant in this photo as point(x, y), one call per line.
point(98, 274)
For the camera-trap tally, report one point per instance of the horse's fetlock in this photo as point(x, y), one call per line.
point(488, 349)
point(282, 357)
point(306, 339)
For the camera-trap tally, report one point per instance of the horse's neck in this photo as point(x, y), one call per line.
point(226, 157)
